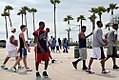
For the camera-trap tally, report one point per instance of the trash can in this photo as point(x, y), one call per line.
point(76, 52)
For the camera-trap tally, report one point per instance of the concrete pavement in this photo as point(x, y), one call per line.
point(61, 70)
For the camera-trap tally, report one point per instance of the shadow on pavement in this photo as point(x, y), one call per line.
point(107, 75)
point(42, 79)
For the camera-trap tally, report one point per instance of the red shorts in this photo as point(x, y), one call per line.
point(41, 56)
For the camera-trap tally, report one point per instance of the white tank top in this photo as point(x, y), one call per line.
point(9, 46)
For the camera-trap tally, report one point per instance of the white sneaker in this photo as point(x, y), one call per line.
point(89, 71)
point(20, 67)
point(3, 67)
point(29, 70)
point(13, 69)
point(105, 71)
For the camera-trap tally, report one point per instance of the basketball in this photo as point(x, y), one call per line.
point(105, 41)
point(15, 42)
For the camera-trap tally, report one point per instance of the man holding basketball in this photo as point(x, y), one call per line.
point(112, 47)
point(97, 50)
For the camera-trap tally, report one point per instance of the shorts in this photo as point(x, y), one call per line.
point(112, 51)
point(98, 53)
point(41, 56)
point(23, 52)
point(83, 53)
point(12, 53)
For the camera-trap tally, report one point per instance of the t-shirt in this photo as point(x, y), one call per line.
point(10, 46)
point(111, 38)
point(42, 39)
point(97, 38)
point(57, 43)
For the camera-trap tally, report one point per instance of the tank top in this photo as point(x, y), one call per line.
point(9, 46)
point(21, 42)
point(82, 42)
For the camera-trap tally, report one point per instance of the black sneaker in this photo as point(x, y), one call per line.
point(84, 68)
point(66, 51)
point(45, 74)
point(53, 61)
point(115, 67)
point(74, 65)
point(38, 75)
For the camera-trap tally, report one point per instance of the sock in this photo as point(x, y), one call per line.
point(84, 63)
point(37, 71)
point(45, 70)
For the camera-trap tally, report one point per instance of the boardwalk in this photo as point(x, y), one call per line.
point(61, 70)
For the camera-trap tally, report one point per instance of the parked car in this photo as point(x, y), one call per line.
point(3, 43)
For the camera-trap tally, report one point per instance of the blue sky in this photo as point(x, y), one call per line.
point(45, 13)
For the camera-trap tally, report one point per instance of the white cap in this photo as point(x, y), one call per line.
point(13, 28)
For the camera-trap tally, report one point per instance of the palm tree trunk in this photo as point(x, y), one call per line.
point(112, 12)
point(93, 23)
point(6, 27)
point(22, 19)
point(81, 23)
point(27, 27)
point(68, 35)
point(33, 22)
point(55, 20)
point(69, 32)
point(10, 21)
point(100, 17)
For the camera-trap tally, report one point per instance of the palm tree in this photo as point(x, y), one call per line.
point(101, 10)
point(81, 18)
point(67, 19)
point(8, 8)
point(111, 8)
point(33, 11)
point(5, 14)
point(25, 9)
point(92, 19)
point(21, 13)
point(54, 2)
point(93, 10)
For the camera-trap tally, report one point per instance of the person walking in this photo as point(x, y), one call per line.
point(97, 50)
point(53, 44)
point(60, 43)
point(41, 50)
point(11, 47)
point(82, 48)
point(57, 46)
point(112, 46)
point(49, 45)
point(65, 45)
point(22, 49)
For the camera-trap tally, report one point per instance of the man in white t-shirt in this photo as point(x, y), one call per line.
point(112, 45)
point(11, 48)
